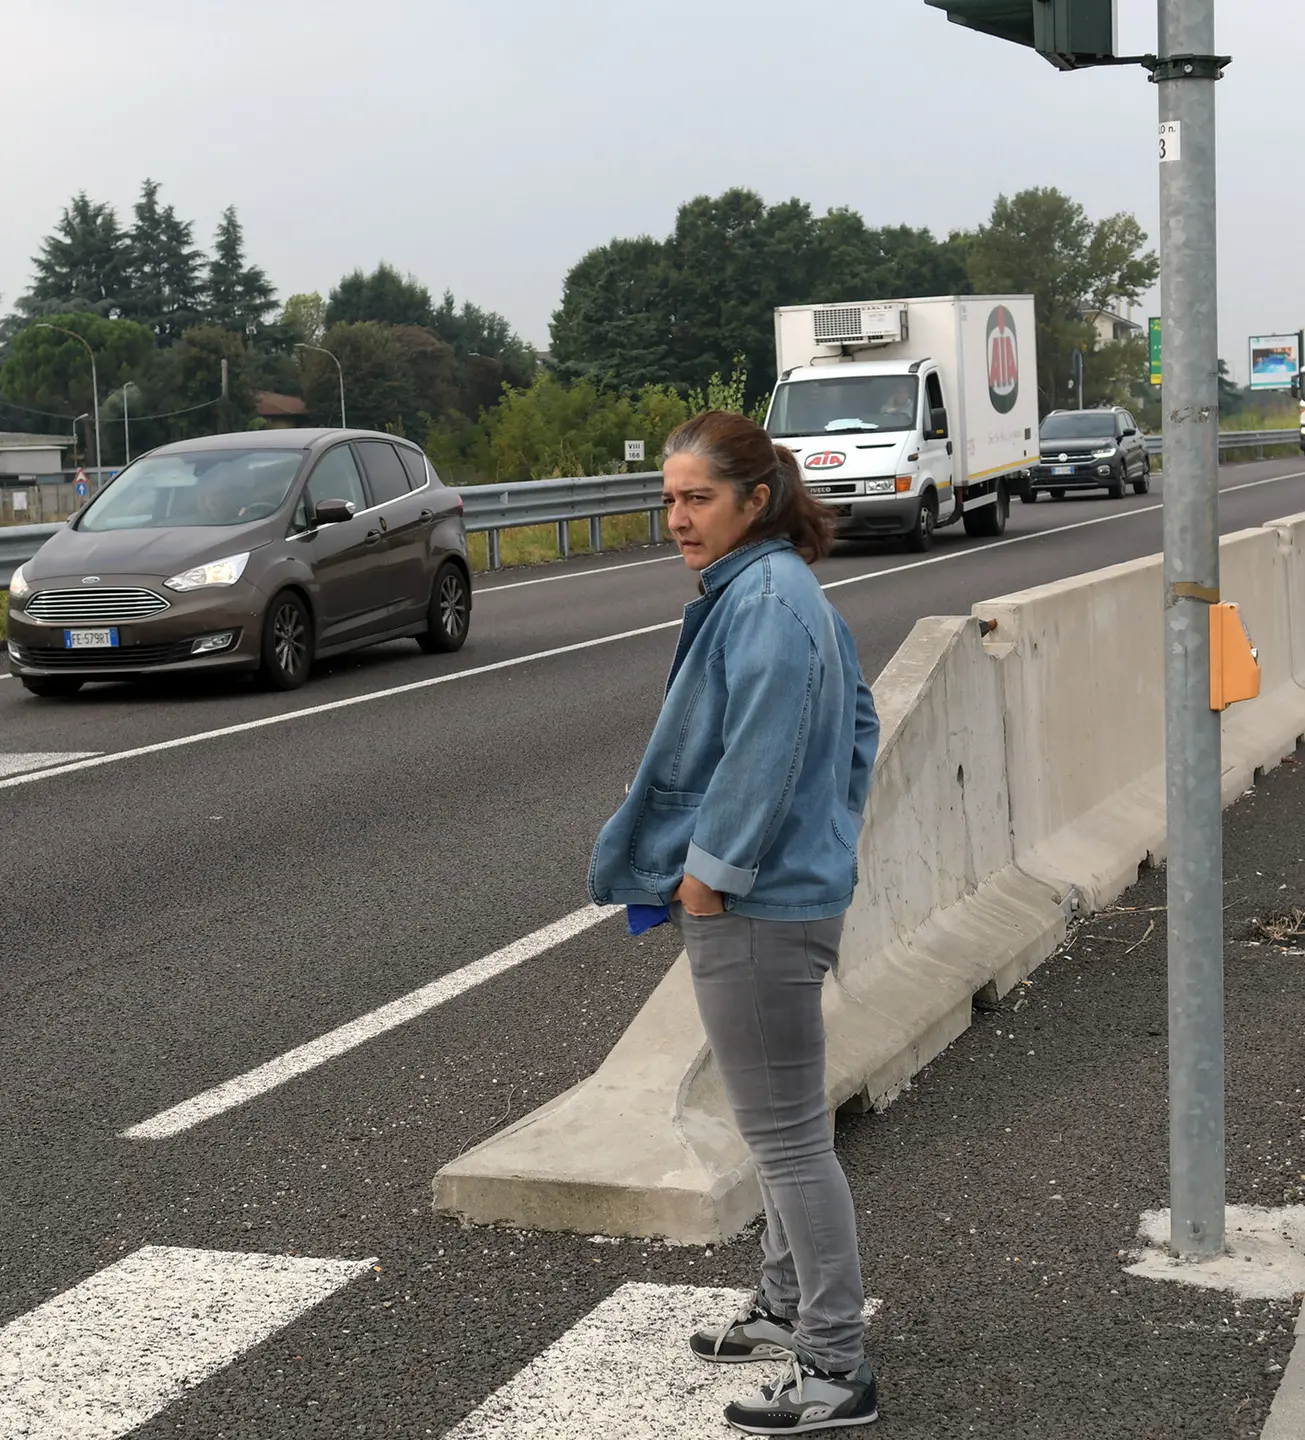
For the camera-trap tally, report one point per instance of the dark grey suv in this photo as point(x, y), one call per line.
point(256, 552)
point(1090, 450)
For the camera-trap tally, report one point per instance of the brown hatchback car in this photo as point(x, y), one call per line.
point(257, 552)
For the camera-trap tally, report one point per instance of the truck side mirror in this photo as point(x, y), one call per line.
point(938, 423)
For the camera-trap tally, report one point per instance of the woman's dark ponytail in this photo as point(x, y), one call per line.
point(740, 453)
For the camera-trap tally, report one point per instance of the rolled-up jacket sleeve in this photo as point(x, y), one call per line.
point(771, 672)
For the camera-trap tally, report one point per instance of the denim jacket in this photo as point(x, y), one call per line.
point(756, 777)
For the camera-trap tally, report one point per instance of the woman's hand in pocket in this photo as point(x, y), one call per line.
point(699, 899)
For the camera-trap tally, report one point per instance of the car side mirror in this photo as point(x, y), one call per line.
point(333, 512)
point(938, 423)
point(1129, 432)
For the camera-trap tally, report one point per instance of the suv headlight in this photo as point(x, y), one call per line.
point(18, 586)
point(1108, 454)
point(216, 572)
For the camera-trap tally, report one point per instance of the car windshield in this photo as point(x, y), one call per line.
point(845, 404)
point(1079, 426)
point(198, 487)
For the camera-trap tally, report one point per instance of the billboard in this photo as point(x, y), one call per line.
point(1275, 361)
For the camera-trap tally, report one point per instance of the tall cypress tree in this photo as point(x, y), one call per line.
point(82, 265)
point(239, 296)
point(164, 288)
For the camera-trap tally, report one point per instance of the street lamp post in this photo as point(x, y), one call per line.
point(77, 420)
point(95, 385)
point(343, 423)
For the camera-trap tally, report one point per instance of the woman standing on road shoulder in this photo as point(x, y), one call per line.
point(741, 826)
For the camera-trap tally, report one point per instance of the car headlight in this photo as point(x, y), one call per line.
point(18, 586)
point(1104, 454)
point(216, 572)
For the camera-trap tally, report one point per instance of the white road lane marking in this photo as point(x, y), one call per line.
point(625, 1370)
point(576, 574)
point(39, 760)
point(100, 1360)
point(114, 757)
point(309, 1056)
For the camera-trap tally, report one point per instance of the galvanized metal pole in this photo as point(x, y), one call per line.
point(1186, 76)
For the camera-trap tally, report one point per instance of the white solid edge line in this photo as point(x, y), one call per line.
point(577, 574)
point(114, 756)
point(303, 1058)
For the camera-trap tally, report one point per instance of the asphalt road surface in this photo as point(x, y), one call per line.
point(199, 879)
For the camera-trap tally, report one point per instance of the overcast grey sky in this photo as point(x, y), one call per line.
point(486, 146)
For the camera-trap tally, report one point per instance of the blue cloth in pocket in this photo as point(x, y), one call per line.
point(642, 918)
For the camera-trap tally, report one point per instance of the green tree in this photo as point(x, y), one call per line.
point(383, 297)
point(82, 265)
point(1041, 242)
point(553, 428)
point(48, 370)
point(396, 377)
point(239, 296)
point(163, 284)
point(678, 311)
point(613, 325)
point(487, 353)
point(303, 317)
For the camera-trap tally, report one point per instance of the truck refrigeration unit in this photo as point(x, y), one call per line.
point(909, 414)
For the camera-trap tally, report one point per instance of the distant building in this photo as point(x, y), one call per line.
point(1111, 326)
point(282, 412)
point(32, 455)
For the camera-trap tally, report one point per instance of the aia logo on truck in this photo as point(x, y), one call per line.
point(825, 460)
point(1003, 361)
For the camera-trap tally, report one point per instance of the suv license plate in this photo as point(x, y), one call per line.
point(90, 639)
point(1062, 469)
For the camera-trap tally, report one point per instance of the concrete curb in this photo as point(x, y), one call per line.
point(1287, 1413)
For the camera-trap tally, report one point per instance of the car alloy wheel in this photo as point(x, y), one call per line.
point(287, 643)
point(453, 605)
point(290, 639)
point(449, 617)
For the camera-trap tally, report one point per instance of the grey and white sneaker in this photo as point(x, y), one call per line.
point(805, 1398)
point(755, 1333)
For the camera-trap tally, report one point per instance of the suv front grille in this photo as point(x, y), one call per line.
point(94, 607)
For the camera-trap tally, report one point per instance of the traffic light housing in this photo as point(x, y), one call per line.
point(1070, 33)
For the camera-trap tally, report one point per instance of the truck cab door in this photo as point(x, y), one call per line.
point(936, 451)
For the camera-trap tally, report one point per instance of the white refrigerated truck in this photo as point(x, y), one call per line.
point(909, 414)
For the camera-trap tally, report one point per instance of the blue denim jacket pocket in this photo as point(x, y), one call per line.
point(661, 836)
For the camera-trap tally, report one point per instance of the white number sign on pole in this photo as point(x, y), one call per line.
point(1171, 141)
point(634, 450)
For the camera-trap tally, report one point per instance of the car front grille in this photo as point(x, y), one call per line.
point(124, 657)
point(94, 607)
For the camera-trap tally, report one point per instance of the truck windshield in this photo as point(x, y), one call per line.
point(844, 404)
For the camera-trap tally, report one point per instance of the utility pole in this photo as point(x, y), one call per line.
point(1186, 73)
point(1072, 34)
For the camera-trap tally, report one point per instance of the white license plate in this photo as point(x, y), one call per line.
point(90, 639)
point(1062, 469)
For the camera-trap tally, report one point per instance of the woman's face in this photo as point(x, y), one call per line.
point(705, 517)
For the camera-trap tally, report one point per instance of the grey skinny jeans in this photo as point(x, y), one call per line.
point(758, 985)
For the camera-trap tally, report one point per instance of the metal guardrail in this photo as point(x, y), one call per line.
point(1237, 440)
point(491, 509)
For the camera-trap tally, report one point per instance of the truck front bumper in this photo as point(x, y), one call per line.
point(876, 515)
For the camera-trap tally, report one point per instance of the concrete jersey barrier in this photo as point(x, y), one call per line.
point(1015, 775)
